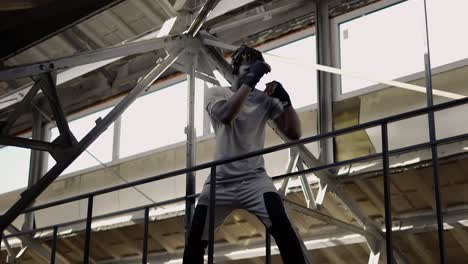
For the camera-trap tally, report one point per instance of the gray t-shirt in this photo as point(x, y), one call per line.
point(246, 132)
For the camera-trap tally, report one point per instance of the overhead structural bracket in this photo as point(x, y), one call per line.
point(21, 107)
point(50, 91)
point(201, 17)
point(93, 56)
point(35, 190)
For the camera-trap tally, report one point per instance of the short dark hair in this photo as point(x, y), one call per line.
point(247, 52)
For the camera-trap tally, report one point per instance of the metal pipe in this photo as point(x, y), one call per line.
point(190, 145)
point(89, 220)
point(54, 246)
point(267, 246)
point(324, 80)
point(145, 237)
point(432, 138)
point(387, 194)
point(29, 143)
point(35, 163)
point(212, 215)
point(116, 139)
point(201, 17)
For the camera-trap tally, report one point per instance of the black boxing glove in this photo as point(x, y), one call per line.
point(280, 93)
point(255, 73)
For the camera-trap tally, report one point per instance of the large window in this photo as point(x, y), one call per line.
point(291, 65)
point(386, 44)
point(15, 168)
point(159, 118)
point(447, 24)
point(390, 43)
point(101, 149)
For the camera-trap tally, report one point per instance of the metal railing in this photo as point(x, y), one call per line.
point(384, 155)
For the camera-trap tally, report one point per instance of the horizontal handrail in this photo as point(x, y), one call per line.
point(83, 220)
point(275, 178)
point(282, 146)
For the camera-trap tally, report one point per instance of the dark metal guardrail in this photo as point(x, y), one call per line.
point(383, 123)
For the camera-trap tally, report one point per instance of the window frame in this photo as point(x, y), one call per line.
point(336, 49)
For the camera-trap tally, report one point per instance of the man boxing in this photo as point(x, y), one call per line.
point(239, 115)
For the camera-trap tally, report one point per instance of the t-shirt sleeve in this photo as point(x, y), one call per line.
point(213, 96)
point(275, 108)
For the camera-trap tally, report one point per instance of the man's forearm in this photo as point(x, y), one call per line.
point(231, 108)
point(289, 123)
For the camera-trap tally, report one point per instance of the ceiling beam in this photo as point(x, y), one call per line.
point(73, 246)
point(10, 5)
point(424, 255)
point(40, 249)
point(26, 28)
point(124, 239)
point(461, 236)
point(332, 257)
point(156, 233)
point(374, 196)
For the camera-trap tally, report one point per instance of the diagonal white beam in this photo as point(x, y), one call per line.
point(179, 4)
point(202, 17)
point(348, 73)
point(42, 250)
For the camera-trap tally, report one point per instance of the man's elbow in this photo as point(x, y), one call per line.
point(295, 135)
point(226, 119)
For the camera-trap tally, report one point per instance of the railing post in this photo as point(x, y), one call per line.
point(88, 230)
point(387, 194)
point(432, 139)
point(1, 239)
point(54, 246)
point(145, 237)
point(267, 246)
point(212, 215)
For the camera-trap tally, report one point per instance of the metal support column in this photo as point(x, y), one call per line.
point(35, 163)
point(324, 79)
point(211, 215)
point(432, 138)
point(145, 237)
point(206, 117)
point(116, 139)
point(191, 147)
point(387, 195)
point(89, 220)
point(54, 246)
